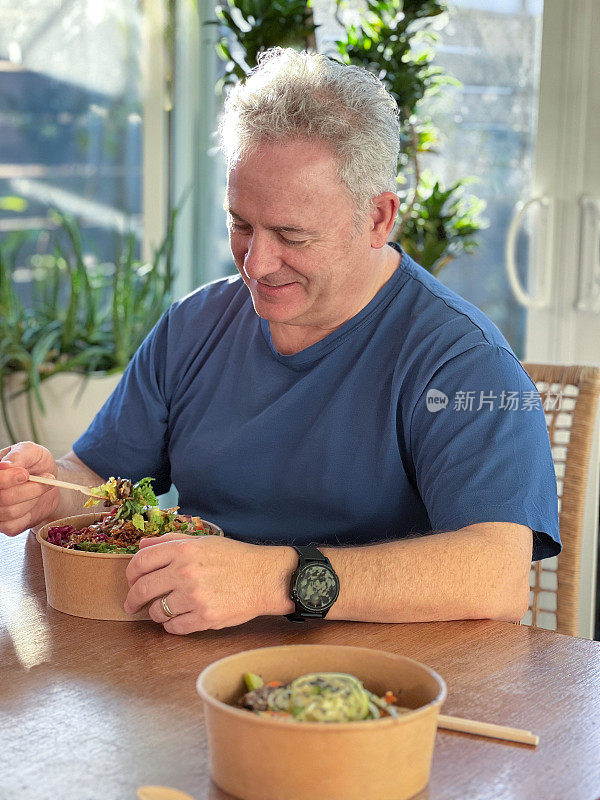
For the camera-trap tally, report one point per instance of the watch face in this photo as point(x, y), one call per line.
point(316, 586)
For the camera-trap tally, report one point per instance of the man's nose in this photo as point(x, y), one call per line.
point(261, 257)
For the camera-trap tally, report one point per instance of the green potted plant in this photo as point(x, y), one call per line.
point(62, 353)
point(395, 40)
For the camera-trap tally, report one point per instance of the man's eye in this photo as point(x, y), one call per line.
point(236, 228)
point(291, 242)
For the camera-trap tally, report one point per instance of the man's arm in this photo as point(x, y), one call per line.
point(477, 572)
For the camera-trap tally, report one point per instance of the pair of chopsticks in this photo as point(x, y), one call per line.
point(86, 490)
point(487, 729)
point(448, 723)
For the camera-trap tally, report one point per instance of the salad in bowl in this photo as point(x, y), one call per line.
point(85, 556)
point(134, 515)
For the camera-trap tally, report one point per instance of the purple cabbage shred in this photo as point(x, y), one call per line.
point(60, 534)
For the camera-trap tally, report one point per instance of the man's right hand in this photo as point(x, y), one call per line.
point(23, 503)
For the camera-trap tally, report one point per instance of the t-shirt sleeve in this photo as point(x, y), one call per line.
point(480, 448)
point(128, 436)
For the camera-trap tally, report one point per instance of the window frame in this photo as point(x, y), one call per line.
point(155, 121)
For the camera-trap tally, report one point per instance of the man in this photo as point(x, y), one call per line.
point(335, 395)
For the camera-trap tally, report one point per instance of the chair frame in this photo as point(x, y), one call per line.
point(586, 380)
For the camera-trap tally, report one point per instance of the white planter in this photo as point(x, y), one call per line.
point(71, 401)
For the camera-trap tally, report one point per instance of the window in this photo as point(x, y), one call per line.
point(488, 129)
point(71, 118)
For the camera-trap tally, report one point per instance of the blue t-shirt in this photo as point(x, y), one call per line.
point(413, 416)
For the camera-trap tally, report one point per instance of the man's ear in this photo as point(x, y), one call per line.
point(384, 208)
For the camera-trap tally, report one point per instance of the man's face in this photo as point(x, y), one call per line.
point(294, 239)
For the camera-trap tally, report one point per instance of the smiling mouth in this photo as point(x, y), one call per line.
point(274, 285)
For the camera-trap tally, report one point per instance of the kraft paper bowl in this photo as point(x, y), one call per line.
point(91, 585)
point(266, 758)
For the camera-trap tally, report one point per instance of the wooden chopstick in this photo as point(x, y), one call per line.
point(487, 729)
point(62, 484)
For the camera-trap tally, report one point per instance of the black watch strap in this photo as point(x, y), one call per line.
point(308, 552)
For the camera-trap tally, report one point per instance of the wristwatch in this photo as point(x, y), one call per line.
point(314, 586)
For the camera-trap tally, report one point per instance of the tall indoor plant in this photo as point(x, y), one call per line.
point(395, 40)
point(76, 334)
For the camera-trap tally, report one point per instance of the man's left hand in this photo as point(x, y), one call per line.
point(210, 581)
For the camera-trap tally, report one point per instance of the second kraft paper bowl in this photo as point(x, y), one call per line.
point(91, 585)
point(266, 758)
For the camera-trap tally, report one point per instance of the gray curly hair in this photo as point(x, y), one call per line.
point(292, 95)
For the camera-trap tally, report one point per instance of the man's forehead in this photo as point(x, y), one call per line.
point(290, 187)
point(295, 169)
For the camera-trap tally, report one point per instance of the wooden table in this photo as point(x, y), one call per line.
point(92, 710)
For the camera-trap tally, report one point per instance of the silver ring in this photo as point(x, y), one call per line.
point(165, 607)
